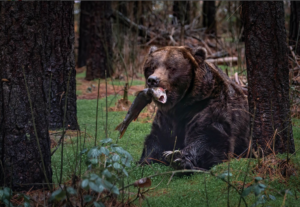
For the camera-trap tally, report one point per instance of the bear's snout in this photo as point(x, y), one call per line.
point(153, 81)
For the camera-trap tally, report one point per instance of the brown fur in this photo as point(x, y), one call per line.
point(206, 112)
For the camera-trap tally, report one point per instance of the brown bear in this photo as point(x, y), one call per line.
point(205, 116)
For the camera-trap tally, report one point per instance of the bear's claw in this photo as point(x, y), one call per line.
point(176, 154)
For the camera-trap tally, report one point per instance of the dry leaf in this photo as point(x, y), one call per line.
point(143, 183)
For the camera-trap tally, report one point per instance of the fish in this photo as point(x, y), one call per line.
point(159, 94)
point(142, 99)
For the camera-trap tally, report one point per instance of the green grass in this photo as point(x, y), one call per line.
point(131, 82)
point(232, 70)
point(182, 190)
point(81, 75)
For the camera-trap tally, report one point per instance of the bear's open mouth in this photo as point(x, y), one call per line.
point(161, 98)
point(159, 94)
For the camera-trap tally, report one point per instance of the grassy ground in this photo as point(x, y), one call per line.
point(182, 190)
point(194, 190)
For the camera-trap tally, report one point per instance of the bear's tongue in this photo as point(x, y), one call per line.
point(159, 94)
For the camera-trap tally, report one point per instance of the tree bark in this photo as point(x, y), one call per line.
point(25, 152)
point(99, 49)
point(209, 17)
point(239, 22)
point(181, 11)
point(60, 64)
point(121, 29)
point(138, 12)
point(85, 8)
point(268, 75)
point(294, 26)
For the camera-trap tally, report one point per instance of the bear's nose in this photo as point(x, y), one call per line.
point(153, 81)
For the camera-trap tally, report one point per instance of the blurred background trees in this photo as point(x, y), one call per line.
point(209, 17)
point(95, 44)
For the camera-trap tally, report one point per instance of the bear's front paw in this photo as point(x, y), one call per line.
point(186, 163)
point(172, 156)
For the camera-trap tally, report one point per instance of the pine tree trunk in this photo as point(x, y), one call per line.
point(99, 50)
point(239, 22)
point(85, 8)
point(181, 11)
point(209, 17)
point(121, 29)
point(268, 75)
point(294, 26)
point(60, 64)
point(21, 43)
point(138, 15)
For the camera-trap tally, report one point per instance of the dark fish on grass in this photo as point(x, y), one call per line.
point(142, 99)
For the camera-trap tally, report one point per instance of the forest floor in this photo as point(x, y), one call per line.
point(195, 190)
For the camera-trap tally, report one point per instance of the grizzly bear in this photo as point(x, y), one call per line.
point(206, 114)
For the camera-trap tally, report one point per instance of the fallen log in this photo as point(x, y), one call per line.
point(219, 54)
point(223, 60)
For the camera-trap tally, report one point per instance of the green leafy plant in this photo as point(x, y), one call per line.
point(106, 166)
point(258, 188)
point(5, 196)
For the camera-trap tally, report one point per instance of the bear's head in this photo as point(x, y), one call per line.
point(179, 70)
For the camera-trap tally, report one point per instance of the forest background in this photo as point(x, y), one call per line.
point(69, 73)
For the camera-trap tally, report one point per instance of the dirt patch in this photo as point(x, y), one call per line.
point(122, 105)
point(56, 135)
point(89, 89)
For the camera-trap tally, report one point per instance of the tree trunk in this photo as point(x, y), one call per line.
point(294, 26)
point(195, 9)
point(60, 64)
point(138, 13)
point(181, 11)
point(85, 8)
point(209, 17)
point(239, 22)
point(24, 140)
point(99, 51)
point(268, 75)
point(121, 29)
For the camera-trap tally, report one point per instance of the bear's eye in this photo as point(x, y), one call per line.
point(171, 69)
point(148, 71)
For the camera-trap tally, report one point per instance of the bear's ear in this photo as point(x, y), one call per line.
point(199, 53)
point(152, 49)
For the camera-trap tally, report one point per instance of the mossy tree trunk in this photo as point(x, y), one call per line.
point(60, 64)
point(25, 151)
point(268, 75)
